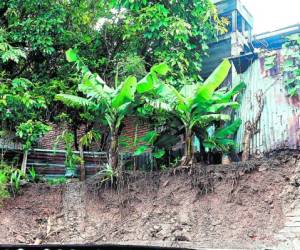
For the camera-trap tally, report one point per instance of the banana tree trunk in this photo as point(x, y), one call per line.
point(24, 162)
point(113, 150)
point(188, 148)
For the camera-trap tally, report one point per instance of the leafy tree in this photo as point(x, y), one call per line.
point(19, 106)
point(115, 103)
point(199, 104)
point(19, 103)
point(30, 132)
point(44, 30)
point(7, 51)
point(177, 32)
point(113, 37)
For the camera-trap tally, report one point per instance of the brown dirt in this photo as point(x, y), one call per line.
point(21, 217)
point(239, 205)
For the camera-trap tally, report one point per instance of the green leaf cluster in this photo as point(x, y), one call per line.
point(291, 64)
point(29, 132)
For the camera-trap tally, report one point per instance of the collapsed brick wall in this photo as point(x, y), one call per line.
point(48, 140)
point(129, 130)
point(132, 127)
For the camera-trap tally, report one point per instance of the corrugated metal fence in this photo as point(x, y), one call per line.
point(50, 163)
point(279, 123)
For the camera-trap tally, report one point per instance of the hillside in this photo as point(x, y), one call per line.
point(239, 205)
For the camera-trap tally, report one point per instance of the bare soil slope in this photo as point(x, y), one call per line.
point(238, 206)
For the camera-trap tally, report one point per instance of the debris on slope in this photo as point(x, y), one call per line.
point(241, 204)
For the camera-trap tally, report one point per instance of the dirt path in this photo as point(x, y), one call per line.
point(74, 210)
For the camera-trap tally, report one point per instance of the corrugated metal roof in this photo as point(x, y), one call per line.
point(279, 123)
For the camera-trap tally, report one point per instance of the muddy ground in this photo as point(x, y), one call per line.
point(232, 206)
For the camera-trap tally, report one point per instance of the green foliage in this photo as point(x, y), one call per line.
point(7, 51)
point(89, 138)
point(114, 103)
point(158, 153)
point(142, 144)
point(57, 181)
point(291, 64)
point(108, 174)
point(30, 132)
point(177, 32)
point(33, 175)
point(33, 37)
point(19, 103)
point(15, 180)
point(117, 38)
point(71, 159)
point(130, 64)
point(4, 177)
point(270, 62)
point(200, 104)
point(10, 180)
point(120, 39)
point(219, 140)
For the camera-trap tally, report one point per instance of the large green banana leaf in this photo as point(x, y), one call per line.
point(228, 130)
point(126, 93)
point(216, 78)
point(146, 84)
point(219, 139)
point(149, 82)
point(205, 119)
point(73, 101)
point(219, 106)
point(71, 55)
point(221, 97)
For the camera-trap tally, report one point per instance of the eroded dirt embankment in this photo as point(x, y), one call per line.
point(238, 205)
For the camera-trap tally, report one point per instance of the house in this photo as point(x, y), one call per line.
point(279, 124)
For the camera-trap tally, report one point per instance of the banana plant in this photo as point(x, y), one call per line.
point(115, 102)
point(220, 140)
point(142, 144)
point(199, 104)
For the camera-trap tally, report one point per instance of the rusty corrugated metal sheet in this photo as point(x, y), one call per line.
point(279, 123)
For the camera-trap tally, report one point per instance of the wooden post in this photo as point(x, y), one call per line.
point(82, 167)
point(24, 162)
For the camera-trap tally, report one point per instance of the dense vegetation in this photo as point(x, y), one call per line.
point(85, 62)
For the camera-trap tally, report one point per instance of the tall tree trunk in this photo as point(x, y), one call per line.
point(82, 167)
point(24, 162)
point(188, 148)
point(113, 150)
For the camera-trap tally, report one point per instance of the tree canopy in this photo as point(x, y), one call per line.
point(115, 39)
